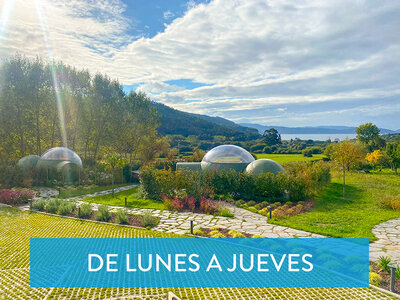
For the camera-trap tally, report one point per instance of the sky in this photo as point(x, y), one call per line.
point(278, 62)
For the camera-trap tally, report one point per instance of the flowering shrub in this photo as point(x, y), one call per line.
point(207, 206)
point(177, 204)
point(16, 197)
point(191, 203)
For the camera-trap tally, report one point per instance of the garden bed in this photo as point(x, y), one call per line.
point(385, 281)
point(217, 232)
point(86, 212)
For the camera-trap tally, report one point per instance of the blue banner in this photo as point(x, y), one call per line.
point(182, 262)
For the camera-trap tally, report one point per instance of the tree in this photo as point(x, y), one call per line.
point(368, 134)
point(347, 155)
point(376, 157)
point(392, 150)
point(272, 137)
point(113, 161)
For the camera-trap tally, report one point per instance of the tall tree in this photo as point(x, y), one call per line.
point(392, 150)
point(272, 137)
point(347, 155)
point(368, 134)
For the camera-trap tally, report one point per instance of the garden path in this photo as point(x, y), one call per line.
point(388, 243)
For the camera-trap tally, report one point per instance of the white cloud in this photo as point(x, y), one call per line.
point(255, 54)
point(168, 15)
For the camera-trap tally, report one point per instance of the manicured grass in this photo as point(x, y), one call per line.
point(78, 191)
point(16, 228)
point(133, 200)
point(354, 216)
point(284, 158)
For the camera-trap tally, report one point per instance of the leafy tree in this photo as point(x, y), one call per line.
point(368, 133)
point(376, 157)
point(347, 155)
point(113, 162)
point(392, 150)
point(272, 137)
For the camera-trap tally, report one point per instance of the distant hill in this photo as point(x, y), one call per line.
point(312, 130)
point(178, 122)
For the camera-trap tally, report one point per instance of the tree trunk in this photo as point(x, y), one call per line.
point(344, 183)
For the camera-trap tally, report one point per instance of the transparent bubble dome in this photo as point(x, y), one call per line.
point(228, 154)
point(62, 154)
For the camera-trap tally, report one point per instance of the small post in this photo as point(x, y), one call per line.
point(125, 202)
point(30, 204)
point(59, 191)
point(191, 226)
point(79, 212)
point(270, 212)
point(392, 276)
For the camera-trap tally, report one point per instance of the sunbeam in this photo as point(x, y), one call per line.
point(5, 16)
point(43, 25)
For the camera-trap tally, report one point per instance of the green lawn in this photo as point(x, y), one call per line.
point(16, 228)
point(285, 158)
point(354, 216)
point(133, 200)
point(74, 192)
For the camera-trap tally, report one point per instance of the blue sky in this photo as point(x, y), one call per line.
point(289, 63)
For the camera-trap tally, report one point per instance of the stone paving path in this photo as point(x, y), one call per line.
point(244, 221)
point(388, 243)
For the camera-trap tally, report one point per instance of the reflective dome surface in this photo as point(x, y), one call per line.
point(62, 154)
point(28, 162)
point(228, 154)
point(264, 166)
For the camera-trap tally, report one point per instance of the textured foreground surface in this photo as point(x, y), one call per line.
point(16, 228)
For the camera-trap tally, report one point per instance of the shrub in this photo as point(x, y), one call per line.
point(212, 232)
point(191, 203)
point(103, 213)
point(177, 204)
point(65, 208)
point(257, 236)
point(224, 213)
point(236, 234)
point(122, 216)
point(52, 206)
point(16, 197)
point(215, 227)
point(250, 203)
point(86, 210)
point(383, 263)
point(199, 232)
point(149, 220)
point(218, 235)
point(39, 205)
point(390, 201)
point(207, 206)
point(375, 278)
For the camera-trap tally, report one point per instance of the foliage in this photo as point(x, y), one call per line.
point(86, 210)
point(392, 151)
point(197, 155)
point(224, 212)
point(367, 132)
point(199, 232)
point(98, 116)
point(103, 213)
point(375, 278)
point(208, 206)
point(397, 273)
point(236, 234)
point(390, 201)
point(16, 196)
point(65, 208)
point(149, 220)
point(347, 155)
point(52, 206)
point(384, 262)
point(272, 137)
point(39, 205)
point(218, 235)
point(122, 216)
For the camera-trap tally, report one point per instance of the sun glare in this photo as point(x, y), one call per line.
point(45, 31)
point(5, 15)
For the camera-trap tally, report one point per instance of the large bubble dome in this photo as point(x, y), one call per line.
point(226, 157)
point(54, 156)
